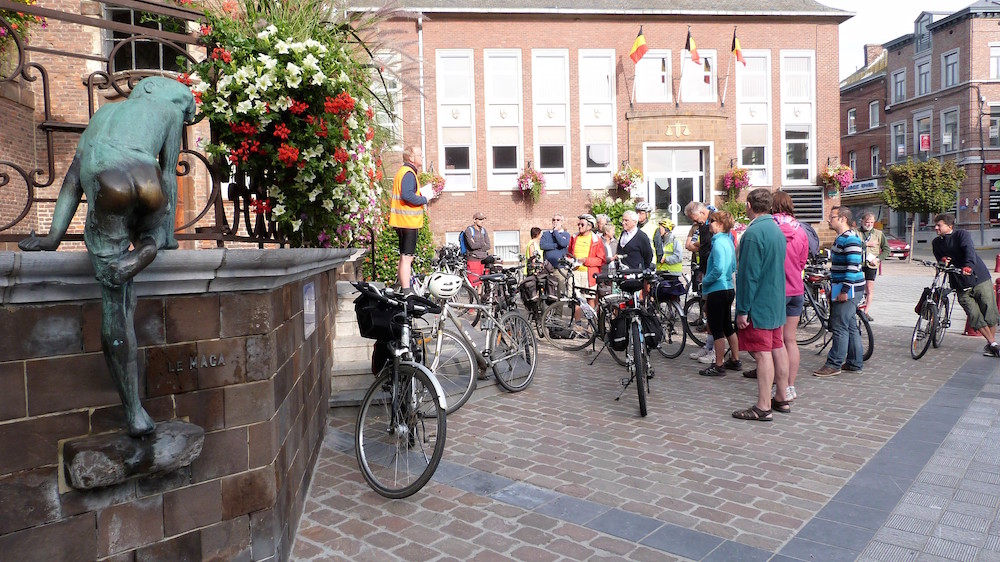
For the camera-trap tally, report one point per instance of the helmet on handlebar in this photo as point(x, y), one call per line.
point(444, 285)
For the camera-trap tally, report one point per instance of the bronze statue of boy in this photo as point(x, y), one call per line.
point(126, 165)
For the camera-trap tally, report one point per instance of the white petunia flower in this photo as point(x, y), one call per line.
point(293, 81)
point(283, 103)
point(244, 106)
point(265, 82)
point(298, 47)
point(310, 62)
point(267, 32)
point(293, 69)
point(352, 123)
point(317, 79)
point(220, 105)
point(268, 61)
point(279, 209)
point(328, 205)
point(224, 82)
point(281, 47)
point(296, 225)
point(313, 194)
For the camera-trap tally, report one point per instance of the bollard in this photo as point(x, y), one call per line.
point(996, 268)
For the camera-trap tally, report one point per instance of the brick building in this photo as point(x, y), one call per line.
point(940, 98)
point(551, 83)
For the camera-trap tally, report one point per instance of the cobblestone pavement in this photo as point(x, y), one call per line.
point(899, 463)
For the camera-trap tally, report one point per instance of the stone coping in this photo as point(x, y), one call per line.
point(38, 277)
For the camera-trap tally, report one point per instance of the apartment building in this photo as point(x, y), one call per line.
point(939, 88)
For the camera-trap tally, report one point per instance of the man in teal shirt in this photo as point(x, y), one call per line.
point(760, 302)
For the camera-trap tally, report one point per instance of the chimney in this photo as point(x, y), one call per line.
point(872, 52)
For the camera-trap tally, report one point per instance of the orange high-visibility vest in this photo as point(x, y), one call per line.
point(401, 213)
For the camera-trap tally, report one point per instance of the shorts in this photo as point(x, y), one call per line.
point(407, 241)
point(870, 272)
point(794, 305)
point(476, 270)
point(580, 280)
point(980, 304)
point(718, 311)
point(757, 339)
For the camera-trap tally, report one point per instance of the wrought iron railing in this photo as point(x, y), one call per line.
point(234, 216)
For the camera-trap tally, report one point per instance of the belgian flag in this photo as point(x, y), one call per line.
point(736, 48)
point(691, 48)
point(639, 47)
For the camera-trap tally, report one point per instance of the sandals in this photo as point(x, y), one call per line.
point(753, 413)
point(784, 407)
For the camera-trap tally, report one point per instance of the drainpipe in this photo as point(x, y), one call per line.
point(420, 56)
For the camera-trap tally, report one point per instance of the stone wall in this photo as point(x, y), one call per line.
point(228, 342)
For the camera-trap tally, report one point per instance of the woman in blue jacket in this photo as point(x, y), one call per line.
point(719, 292)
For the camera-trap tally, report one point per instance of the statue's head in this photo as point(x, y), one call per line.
point(159, 88)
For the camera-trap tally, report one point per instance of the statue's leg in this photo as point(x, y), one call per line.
point(121, 352)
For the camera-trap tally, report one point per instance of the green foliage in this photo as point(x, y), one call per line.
point(922, 187)
point(736, 208)
point(614, 208)
point(387, 249)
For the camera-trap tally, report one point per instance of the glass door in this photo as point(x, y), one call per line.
point(675, 177)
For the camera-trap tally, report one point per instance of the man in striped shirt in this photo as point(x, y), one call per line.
point(847, 287)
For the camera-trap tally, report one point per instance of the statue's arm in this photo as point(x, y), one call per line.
point(169, 154)
point(66, 204)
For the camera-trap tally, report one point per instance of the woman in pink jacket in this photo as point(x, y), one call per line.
point(795, 261)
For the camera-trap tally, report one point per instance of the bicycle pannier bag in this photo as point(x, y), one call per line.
point(529, 290)
point(375, 320)
point(618, 335)
point(652, 331)
point(923, 298)
point(670, 290)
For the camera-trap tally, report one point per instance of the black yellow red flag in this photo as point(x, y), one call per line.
point(639, 47)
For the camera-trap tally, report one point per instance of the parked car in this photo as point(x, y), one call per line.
point(898, 248)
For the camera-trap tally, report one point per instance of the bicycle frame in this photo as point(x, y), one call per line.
point(484, 359)
point(401, 354)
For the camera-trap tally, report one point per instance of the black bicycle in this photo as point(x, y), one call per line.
point(933, 310)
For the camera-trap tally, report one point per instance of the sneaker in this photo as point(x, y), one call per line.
point(790, 393)
point(700, 353)
point(992, 350)
point(826, 371)
point(868, 317)
point(733, 365)
point(751, 374)
point(856, 371)
point(708, 358)
point(713, 371)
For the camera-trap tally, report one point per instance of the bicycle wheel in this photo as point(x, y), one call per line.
point(695, 320)
point(563, 330)
point(399, 443)
point(454, 368)
point(605, 317)
point(640, 365)
point(923, 331)
point(867, 338)
point(467, 295)
point(943, 320)
point(811, 326)
point(672, 320)
point(514, 353)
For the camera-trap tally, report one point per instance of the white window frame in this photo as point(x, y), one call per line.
point(895, 155)
point(852, 121)
point(899, 86)
point(651, 68)
point(922, 40)
point(852, 162)
point(451, 238)
point(506, 244)
point(755, 110)
point(690, 71)
point(994, 60)
point(597, 112)
point(505, 113)
point(798, 112)
point(949, 76)
point(873, 115)
point(393, 88)
point(953, 146)
point(458, 113)
point(922, 82)
point(551, 113)
point(917, 117)
point(875, 158)
point(993, 133)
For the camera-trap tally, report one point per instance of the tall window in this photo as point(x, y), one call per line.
point(898, 86)
point(995, 127)
point(994, 61)
point(597, 117)
point(949, 130)
point(876, 163)
point(550, 95)
point(753, 114)
point(852, 162)
point(923, 72)
point(387, 88)
point(898, 147)
point(653, 82)
point(456, 118)
point(852, 121)
point(798, 98)
point(922, 35)
point(922, 134)
point(502, 92)
point(873, 115)
point(141, 55)
point(698, 81)
point(949, 69)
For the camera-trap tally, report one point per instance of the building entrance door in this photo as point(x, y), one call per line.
point(674, 178)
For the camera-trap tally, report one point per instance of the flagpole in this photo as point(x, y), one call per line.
point(680, 83)
point(725, 88)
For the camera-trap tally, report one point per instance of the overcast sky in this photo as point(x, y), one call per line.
point(879, 21)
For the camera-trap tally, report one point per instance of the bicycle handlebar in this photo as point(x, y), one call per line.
point(415, 304)
point(940, 266)
point(626, 275)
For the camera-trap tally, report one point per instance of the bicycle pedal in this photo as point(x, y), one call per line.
point(625, 381)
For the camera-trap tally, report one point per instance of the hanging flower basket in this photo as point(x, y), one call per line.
point(735, 180)
point(436, 181)
point(836, 178)
point(627, 179)
point(531, 183)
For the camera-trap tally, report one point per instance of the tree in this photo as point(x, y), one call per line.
point(922, 187)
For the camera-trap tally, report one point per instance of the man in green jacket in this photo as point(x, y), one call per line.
point(760, 302)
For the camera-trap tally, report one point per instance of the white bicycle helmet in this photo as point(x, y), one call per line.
point(643, 206)
point(444, 285)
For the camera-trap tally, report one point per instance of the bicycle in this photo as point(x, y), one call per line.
point(570, 323)
point(633, 333)
point(400, 433)
point(511, 350)
point(933, 310)
point(664, 296)
point(816, 311)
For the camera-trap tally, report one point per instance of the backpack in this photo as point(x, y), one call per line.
point(462, 249)
point(813, 239)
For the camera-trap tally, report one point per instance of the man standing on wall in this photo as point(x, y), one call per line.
point(406, 212)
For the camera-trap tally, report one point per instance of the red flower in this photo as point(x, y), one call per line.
point(288, 155)
point(343, 103)
point(341, 176)
point(346, 133)
point(370, 113)
point(298, 107)
point(260, 205)
point(370, 133)
point(220, 53)
point(310, 119)
point(184, 79)
point(206, 29)
point(282, 131)
point(197, 97)
point(378, 175)
point(341, 155)
point(243, 128)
